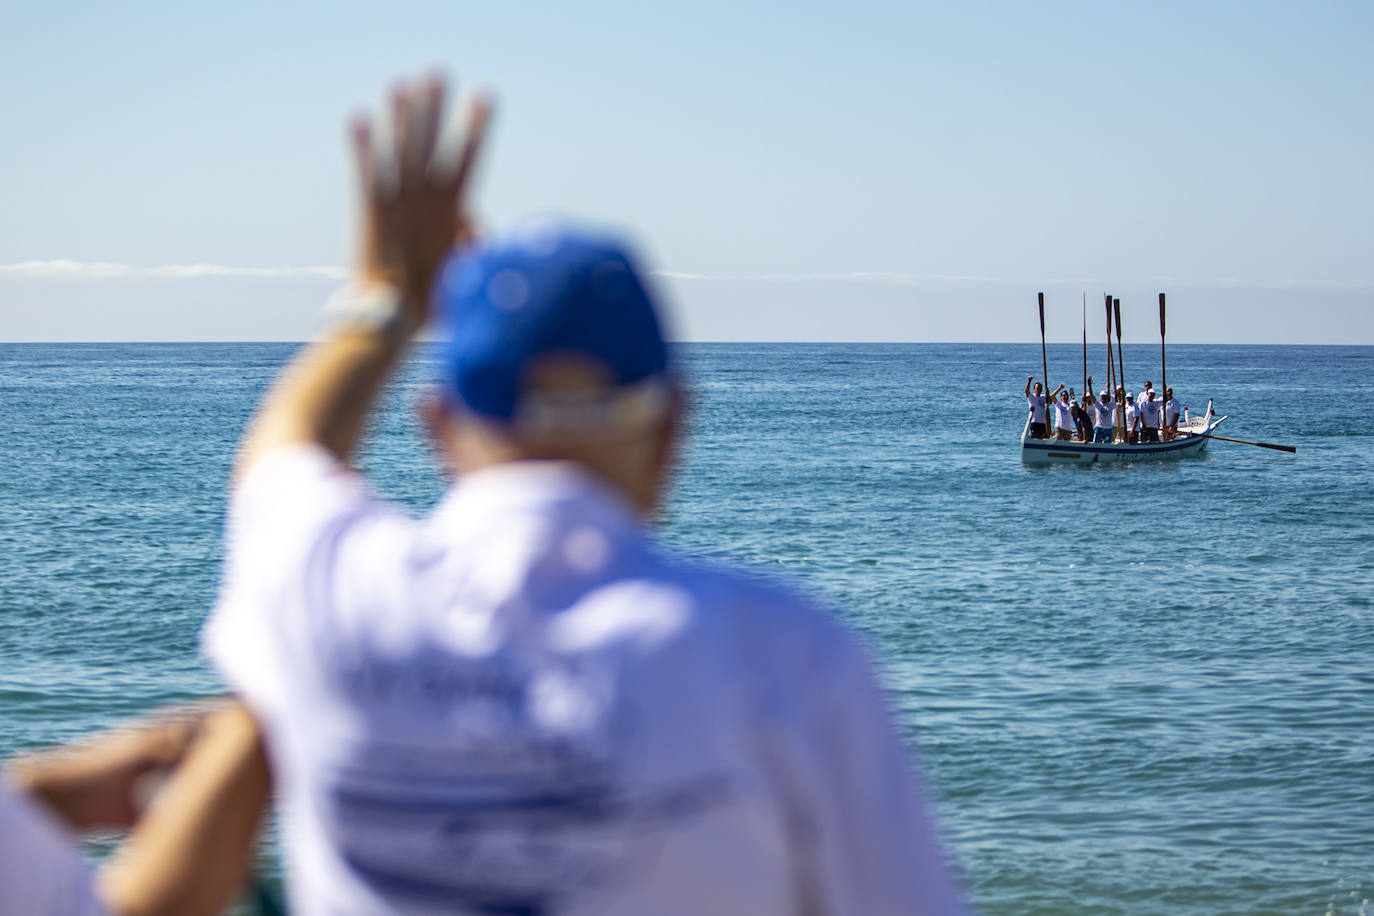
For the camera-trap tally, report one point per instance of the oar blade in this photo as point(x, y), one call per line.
point(1275, 446)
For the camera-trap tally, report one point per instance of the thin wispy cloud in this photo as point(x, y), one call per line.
point(113, 270)
point(1238, 283)
point(871, 276)
point(65, 268)
point(969, 278)
point(677, 275)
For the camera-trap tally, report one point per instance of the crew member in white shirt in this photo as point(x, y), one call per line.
point(520, 704)
point(1036, 402)
point(1170, 410)
point(1145, 392)
point(1083, 416)
point(1104, 417)
point(1132, 420)
point(1149, 417)
point(187, 852)
point(1063, 416)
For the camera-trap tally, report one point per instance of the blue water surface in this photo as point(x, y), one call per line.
point(1137, 689)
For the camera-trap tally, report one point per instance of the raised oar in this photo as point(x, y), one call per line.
point(1044, 365)
point(1278, 448)
point(1085, 343)
point(1120, 394)
point(1163, 375)
point(1111, 370)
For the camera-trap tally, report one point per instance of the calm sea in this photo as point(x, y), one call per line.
point(1139, 689)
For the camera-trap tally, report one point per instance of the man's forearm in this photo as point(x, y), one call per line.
point(190, 851)
point(409, 223)
point(325, 396)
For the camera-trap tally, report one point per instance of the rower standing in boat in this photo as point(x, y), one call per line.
point(1104, 416)
point(1150, 415)
point(1145, 392)
point(1083, 417)
point(1170, 408)
point(1132, 420)
point(1037, 409)
point(1119, 424)
point(1105, 429)
point(1063, 416)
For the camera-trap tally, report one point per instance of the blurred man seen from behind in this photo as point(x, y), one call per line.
point(520, 704)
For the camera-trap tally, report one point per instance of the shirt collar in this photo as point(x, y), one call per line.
point(529, 485)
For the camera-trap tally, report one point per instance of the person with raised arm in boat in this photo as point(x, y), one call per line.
point(1063, 416)
point(1132, 420)
point(1104, 415)
point(1038, 415)
point(1083, 417)
point(1150, 415)
point(1171, 411)
point(1104, 430)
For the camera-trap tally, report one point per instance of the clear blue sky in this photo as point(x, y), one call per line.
point(865, 171)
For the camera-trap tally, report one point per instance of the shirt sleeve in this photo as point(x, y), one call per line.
point(861, 812)
point(41, 869)
point(293, 522)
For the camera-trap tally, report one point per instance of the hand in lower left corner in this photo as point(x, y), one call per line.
point(94, 783)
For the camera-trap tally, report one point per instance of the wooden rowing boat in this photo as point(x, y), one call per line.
point(1192, 439)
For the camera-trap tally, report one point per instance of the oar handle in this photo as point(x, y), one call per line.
point(1044, 364)
point(1163, 368)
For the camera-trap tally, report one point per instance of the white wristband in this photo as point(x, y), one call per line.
point(376, 308)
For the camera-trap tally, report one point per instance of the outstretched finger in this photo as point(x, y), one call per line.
point(401, 135)
point(429, 99)
point(360, 133)
point(415, 114)
point(479, 115)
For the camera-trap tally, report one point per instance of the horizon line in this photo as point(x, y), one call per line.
point(432, 340)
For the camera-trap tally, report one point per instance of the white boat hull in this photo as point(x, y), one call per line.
point(1054, 451)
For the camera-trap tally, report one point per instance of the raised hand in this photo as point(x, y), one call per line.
point(94, 783)
point(413, 191)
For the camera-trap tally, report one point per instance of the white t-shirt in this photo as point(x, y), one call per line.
point(1063, 415)
point(1149, 414)
point(1104, 414)
point(1036, 402)
point(1132, 415)
point(1143, 396)
point(1170, 411)
point(517, 704)
point(41, 869)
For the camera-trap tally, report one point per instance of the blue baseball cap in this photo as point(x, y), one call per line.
point(544, 291)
